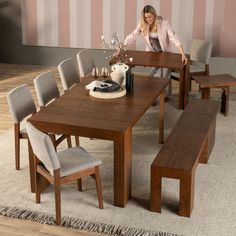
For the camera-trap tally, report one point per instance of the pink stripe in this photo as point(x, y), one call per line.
point(96, 23)
point(217, 28)
point(229, 34)
point(130, 19)
point(166, 9)
point(31, 22)
point(64, 23)
point(199, 16)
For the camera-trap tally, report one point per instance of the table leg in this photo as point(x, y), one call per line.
point(187, 82)
point(205, 93)
point(225, 101)
point(122, 168)
point(181, 90)
point(184, 86)
point(161, 117)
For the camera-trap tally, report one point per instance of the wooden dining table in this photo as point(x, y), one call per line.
point(172, 61)
point(78, 113)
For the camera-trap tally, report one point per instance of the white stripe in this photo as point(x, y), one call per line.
point(140, 43)
point(209, 19)
point(175, 11)
point(47, 24)
point(74, 42)
point(121, 19)
point(156, 5)
point(106, 20)
point(54, 22)
point(40, 22)
point(86, 17)
point(182, 21)
point(23, 19)
point(84, 21)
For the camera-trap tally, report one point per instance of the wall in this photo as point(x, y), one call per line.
point(12, 50)
point(80, 23)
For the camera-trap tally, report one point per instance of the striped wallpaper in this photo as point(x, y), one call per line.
point(80, 23)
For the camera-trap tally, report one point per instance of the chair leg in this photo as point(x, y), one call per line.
point(169, 89)
point(57, 191)
point(77, 140)
point(69, 142)
point(53, 138)
point(190, 84)
point(17, 146)
point(98, 187)
point(37, 192)
point(36, 184)
point(79, 184)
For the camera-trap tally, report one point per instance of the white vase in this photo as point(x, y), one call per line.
point(121, 67)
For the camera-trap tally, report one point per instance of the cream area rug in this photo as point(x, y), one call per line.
point(214, 210)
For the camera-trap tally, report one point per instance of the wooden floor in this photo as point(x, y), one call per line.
point(10, 77)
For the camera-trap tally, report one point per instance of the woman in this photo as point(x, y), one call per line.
point(158, 35)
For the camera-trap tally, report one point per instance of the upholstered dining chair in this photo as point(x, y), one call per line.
point(21, 105)
point(69, 78)
point(47, 91)
point(61, 167)
point(86, 62)
point(68, 73)
point(200, 54)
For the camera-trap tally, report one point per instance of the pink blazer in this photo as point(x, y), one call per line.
point(167, 38)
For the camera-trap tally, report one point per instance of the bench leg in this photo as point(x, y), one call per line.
point(208, 146)
point(186, 195)
point(155, 195)
point(225, 101)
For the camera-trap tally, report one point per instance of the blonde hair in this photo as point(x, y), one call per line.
point(143, 24)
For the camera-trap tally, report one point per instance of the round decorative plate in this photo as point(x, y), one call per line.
point(117, 94)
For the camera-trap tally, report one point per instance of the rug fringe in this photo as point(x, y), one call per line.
point(79, 224)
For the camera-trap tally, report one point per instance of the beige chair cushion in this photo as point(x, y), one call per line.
point(69, 161)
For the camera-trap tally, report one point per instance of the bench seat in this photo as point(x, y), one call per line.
point(190, 142)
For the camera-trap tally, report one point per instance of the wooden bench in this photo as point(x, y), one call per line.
point(190, 142)
point(224, 81)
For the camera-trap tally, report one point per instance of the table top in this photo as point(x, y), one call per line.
point(86, 115)
point(153, 59)
point(213, 81)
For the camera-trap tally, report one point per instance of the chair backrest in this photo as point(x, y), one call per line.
point(201, 51)
point(46, 88)
point(68, 73)
point(21, 103)
point(43, 148)
point(85, 62)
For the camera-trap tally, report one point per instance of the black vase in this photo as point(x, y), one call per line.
point(129, 85)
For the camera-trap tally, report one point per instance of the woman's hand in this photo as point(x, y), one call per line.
point(184, 59)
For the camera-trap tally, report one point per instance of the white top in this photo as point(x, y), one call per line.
point(153, 35)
